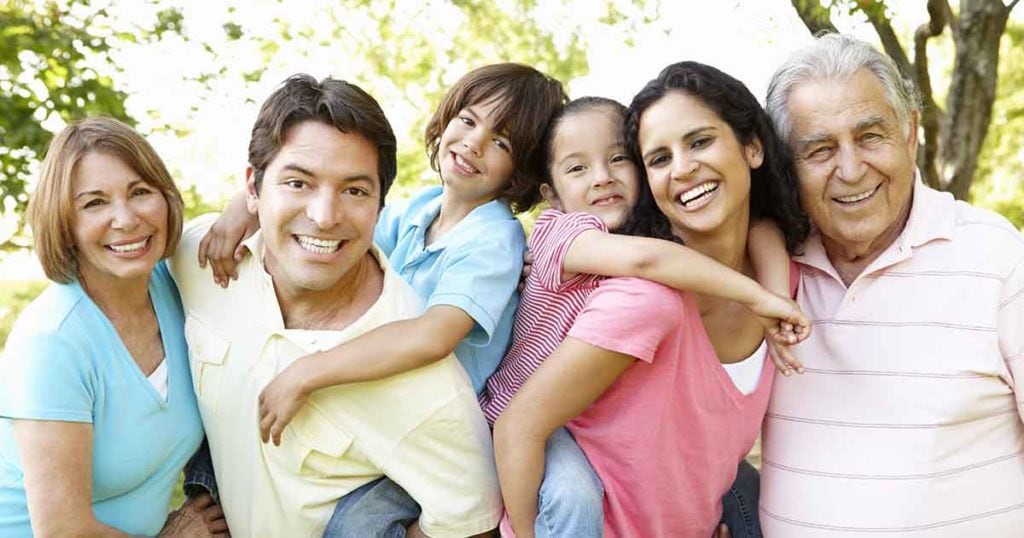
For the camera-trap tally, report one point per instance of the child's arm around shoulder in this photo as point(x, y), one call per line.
point(390, 349)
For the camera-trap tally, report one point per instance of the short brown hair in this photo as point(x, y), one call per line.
point(528, 100)
point(332, 102)
point(51, 212)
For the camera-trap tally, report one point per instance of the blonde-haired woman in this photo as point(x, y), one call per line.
point(97, 413)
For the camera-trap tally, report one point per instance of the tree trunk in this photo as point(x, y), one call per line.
point(972, 91)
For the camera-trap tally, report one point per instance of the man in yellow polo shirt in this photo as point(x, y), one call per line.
point(322, 157)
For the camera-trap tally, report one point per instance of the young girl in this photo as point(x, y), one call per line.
point(650, 404)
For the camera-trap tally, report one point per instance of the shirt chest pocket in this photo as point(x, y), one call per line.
point(207, 351)
point(314, 446)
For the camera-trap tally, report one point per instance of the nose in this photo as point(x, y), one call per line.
point(125, 217)
point(683, 169)
point(602, 176)
point(324, 209)
point(473, 140)
point(850, 167)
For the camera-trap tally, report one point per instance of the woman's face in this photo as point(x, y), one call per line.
point(120, 220)
point(590, 168)
point(698, 171)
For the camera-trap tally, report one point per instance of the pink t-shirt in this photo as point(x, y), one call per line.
point(667, 436)
point(547, 308)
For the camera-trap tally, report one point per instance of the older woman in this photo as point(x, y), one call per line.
point(664, 390)
point(97, 413)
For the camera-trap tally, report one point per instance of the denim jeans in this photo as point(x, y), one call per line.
point(739, 504)
point(570, 502)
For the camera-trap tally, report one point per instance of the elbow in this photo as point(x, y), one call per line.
point(63, 526)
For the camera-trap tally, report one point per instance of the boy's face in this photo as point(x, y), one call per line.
point(317, 206)
point(475, 160)
point(590, 169)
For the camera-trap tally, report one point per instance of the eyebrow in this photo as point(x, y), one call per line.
point(99, 192)
point(872, 121)
point(347, 179)
point(688, 134)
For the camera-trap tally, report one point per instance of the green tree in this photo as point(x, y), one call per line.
point(954, 134)
point(55, 66)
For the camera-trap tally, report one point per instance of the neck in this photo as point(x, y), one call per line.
point(117, 298)
point(453, 210)
point(335, 307)
point(851, 259)
point(727, 244)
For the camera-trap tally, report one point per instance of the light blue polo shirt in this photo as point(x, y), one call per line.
point(64, 361)
point(475, 267)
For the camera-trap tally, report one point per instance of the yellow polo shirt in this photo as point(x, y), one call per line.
point(423, 428)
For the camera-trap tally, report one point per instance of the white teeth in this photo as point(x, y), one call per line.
point(693, 194)
point(317, 245)
point(130, 247)
point(855, 197)
point(464, 163)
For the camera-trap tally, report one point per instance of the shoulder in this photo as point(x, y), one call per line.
point(635, 296)
point(988, 238)
point(48, 313)
point(49, 329)
point(553, 222)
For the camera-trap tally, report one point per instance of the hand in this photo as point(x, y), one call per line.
point(722, 531)
point(527, 269)
point(222, 245)
point(785, 325)
point(281, 399)
point(199, 517)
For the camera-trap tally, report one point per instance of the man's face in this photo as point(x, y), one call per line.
point(317, 207)
point(855, 165)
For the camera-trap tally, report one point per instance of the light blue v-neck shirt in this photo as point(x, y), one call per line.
point(64, 361)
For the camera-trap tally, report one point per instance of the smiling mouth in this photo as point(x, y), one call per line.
point(128, 248)
point(607, 200)
point(698, 194)
point(317, 245)
point(463, 165)
point(854, 198)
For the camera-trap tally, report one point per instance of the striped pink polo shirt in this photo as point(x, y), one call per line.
point(547, 309)
point(907, 421)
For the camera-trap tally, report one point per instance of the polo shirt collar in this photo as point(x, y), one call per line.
point(932, 217)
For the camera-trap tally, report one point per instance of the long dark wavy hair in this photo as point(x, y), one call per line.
point(773, 185)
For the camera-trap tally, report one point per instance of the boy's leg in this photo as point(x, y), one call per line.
point(739, 505)
point(571, 499)
point(378, 509)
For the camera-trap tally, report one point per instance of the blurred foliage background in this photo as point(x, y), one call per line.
point(190, 74)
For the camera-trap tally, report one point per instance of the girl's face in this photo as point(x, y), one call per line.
point(698, 171)
point(475, 160)
point(590, 169)
point(120, 222)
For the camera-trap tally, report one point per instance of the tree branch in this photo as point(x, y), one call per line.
point(814, 16)
point(929, 150)
point(875, 12)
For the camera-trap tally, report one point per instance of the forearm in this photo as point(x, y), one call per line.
point(767, 250)
point(65, 524)
point(390, 349)
point(683, 268)
point(520, 461)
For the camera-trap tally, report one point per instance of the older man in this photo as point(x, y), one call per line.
point(908, 421)
point(322, 156)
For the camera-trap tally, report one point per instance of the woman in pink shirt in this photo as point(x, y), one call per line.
point(665, 390)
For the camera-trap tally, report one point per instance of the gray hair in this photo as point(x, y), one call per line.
point(835, 57)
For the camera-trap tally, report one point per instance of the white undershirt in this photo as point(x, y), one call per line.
point(746, 373)
point(159, 379)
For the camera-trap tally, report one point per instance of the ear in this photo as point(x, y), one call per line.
point(754, 153)
point(550, 196)
point(252, 200)
point(914, 120)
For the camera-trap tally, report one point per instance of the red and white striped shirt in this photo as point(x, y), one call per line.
point(547, 309)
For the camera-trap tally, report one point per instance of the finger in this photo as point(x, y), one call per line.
point(265, 423)
point(275, 431)
point(203, 245)
point(202, 501)
point(791, 361)
point(528, 257)
point(213, 513)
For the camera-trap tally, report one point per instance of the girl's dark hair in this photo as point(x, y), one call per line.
point(773, 185)
point(576, 106)
point(528, 100)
